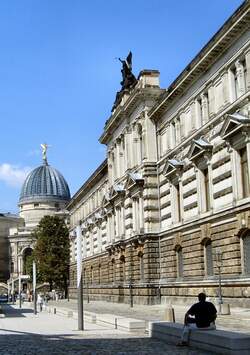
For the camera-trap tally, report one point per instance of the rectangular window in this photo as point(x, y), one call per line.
point(179, 263)
point(207, 191)
point(178, 203)
point(209, 259)
point(244, 173)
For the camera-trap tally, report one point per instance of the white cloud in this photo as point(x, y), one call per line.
point(13, 175)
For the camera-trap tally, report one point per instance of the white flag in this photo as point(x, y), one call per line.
point(79, 253)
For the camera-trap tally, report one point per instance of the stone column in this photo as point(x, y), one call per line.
point(211, 101)
point(182, 124)
point(112, 227)
point(240, 77)
point(210, 181)
point(237, 188)
point(198, 113)
point(122, 162)
point(177, 127)
point(231, 86)
point(122, 221)
point(109, 238)
point(99, 237)
point(247, 57)
point(193, 114)
point(199, 190)
point(173, 134)
point(141, 213)
point(181, 198)
point(91, 240)
point(150, 140)
point(225, 87)
point(134, 214)
point(118, 157)
point(117, 224)
point(204, 108)
point(248, 158)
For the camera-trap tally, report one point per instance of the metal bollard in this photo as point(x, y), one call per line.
point(54, 310)
point(115, 323)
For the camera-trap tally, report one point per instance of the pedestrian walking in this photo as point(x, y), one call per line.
point(40, 302)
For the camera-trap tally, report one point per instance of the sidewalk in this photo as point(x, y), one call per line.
point(23, 333)
point(239, 320)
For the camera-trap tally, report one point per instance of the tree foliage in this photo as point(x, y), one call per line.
point(52, 251)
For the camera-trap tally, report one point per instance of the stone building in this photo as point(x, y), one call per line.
point(173, 195)
point(44, 192)
point(7, 220)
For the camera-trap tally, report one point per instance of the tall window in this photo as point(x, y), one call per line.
point(208, 258)
point(244, 173)
point(179, 262)
point(207, 190)
point(113, 270)
point(140, 255)
point(99, 273)
point(246, 253)
point(91, 274)
point(176, 200)
point(123, 268)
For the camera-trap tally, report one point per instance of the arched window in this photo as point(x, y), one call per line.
point(179, 261)
point(208, 256)
point(246, 252)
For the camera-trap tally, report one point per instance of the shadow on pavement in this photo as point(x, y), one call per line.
point(23, 343)
point(10, 311)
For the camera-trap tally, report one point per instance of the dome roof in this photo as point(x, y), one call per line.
point(44, 183)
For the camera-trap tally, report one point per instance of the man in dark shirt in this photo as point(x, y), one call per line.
point(200, 316)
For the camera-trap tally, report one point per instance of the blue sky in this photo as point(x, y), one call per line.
point(59, 75)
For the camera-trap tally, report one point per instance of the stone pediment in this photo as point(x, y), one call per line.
point(172, 166)
point(133, 179)
point(233, 124)
point(116, 190)
point(198, 148)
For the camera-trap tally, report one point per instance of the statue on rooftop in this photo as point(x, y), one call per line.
point(128, 78)
point(44, 147)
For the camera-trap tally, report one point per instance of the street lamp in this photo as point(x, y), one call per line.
point(19, 282)
point(34, 286)
point(219, 262)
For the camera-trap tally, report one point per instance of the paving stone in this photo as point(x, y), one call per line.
point(23, 333)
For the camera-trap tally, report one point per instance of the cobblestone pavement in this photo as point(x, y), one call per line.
point(239, 320)
point(23, 333)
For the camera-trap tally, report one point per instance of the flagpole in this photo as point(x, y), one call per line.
point(79, 278)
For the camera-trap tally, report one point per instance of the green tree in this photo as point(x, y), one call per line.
point(52, 251)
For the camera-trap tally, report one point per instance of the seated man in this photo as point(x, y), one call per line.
point(204, 317)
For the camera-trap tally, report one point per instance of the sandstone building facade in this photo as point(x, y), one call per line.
point(174, 191)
